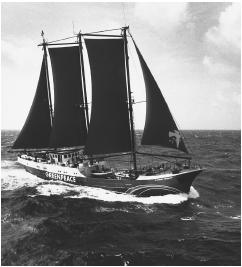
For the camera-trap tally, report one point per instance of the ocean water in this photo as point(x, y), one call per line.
point(53, 223)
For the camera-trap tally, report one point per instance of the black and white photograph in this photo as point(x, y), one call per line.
point(120, 133)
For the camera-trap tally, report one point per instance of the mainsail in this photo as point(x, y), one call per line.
point(109, 130)
point(69, 124)
point(36, 130)
point(160, 127)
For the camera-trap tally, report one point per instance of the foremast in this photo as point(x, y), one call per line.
point(130, 100)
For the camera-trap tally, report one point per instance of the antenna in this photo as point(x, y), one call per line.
point(73, 28)
point(124, 17)
point(43, 36)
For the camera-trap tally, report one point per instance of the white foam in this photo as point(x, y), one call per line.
point(105, 195)
point(187, 219)
point(7, 163)
point(12, 179)
point(238, 217)
point(193, 193)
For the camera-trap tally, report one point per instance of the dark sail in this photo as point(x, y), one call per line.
point(69, 124)
point(160, 127)
point(36, 130)
point(109, 130)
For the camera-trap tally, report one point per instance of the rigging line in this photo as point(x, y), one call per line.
point(163, 155)
point(75, 35)
point(57, 44)
point(162, 158)
point(137, 102)
point(109, 30)
point(62, 39)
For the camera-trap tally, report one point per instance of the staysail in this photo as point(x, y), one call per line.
point(36, 130)
point(69, 124)
point(160, 127)
point(109, 130)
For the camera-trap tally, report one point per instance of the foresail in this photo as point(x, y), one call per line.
point(109, 130)
point(36, 130)
point(160, 127)
point(69, 124)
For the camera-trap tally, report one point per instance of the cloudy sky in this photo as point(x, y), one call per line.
point(193, 50)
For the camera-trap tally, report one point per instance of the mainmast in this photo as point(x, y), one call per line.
point(83, 79)
point(130, 100)
point(47, 79)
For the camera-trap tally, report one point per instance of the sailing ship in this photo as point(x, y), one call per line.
point(61, 143)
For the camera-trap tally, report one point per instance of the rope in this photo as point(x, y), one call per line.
point(62, 39)
point(109, 30)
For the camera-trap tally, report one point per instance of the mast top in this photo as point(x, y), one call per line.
point(43, 36)
point(125, 28)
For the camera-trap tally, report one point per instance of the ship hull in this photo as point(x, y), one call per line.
point(158, 186)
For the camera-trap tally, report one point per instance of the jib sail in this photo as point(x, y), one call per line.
point(160, 127)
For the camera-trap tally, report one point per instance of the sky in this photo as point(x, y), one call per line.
point(192, 49)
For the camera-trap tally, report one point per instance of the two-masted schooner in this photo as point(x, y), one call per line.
point(61, 143)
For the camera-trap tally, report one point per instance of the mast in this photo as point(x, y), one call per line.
point(83, 80)
point(47, 79)
point(130, 100)
point(84, 85)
